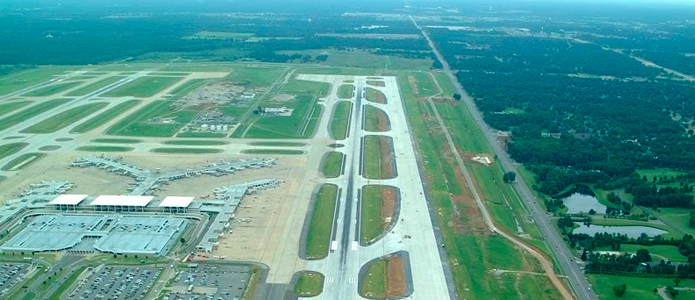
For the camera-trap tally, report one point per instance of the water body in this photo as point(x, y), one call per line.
point(631, 231)
point(580, 201)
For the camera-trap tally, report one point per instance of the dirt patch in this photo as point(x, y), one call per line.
point(282, 98)
point(380, 97)
point(386, 157)
point(448, 100)
point(413, 85)
point(395, 278)
point(479, 158)
point(376, 83)
point(388, 204)
point(383, 123)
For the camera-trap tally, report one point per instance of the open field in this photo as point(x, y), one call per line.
point(186, 150)
point(638, 288)
point(66, 118)
point(300, 124)
point(140, 122)
point(422, 84)
point(376, 120)
point(105, 116)
point(27, 78)
point(309, 284)
point(377, 162)
point(12, 106)
point(332, 164)
point(340, 120)
point(254, 77)
point(319, 233)
point(94, 86)
point(346, 91)
point(104, 149)
point(22, 161)
point(146, 86)
point(378, 209)
point(374, 285)
point(30, 112)
point(658, 252)
point(53, 89)
point(374, 95)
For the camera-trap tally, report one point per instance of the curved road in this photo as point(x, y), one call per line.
point(563, 254)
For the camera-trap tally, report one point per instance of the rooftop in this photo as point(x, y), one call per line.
point(112, 200)
point(68, 199)
point(176, 202)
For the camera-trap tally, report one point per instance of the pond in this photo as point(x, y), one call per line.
point(631, 231)
point(581, 200)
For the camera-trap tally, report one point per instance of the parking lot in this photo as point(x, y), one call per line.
point(10, 275)
point(116, 283)
point(210, 282)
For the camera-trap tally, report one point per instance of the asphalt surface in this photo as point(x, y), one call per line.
point(563, 255)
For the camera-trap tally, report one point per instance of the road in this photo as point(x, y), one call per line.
point(563, 254)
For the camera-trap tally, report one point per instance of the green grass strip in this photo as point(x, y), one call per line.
point(9, 149)
point(95, 86)
point(309, 284)
point(64, 119)
point(104, 149)
point(52, 89)
point(278, 144)
point(332, 164)
point(22, 161)
point(273, 151)
point(30, 112)
point(339, 122)
point(195, 142)
point(186, 150)
point(104, 117)
point(346, 91)
point(143, 87)
point(10, 107)
point(117, 141)
point(319, 233)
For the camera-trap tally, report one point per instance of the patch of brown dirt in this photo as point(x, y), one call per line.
point(376, 83)
point(386, 159)
point(388, 204)
point(382, 121)
point(395, 277)
point(380, 97)
point(413, 85)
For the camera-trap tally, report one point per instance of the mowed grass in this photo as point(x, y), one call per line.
point(273, 151)
point(66, 118)
point(195, 142)
point(24, 79)
point(638, 288)
point(52, 89)
point(340, 120)
point(332, 164)
point(372, 224)
point(253, 77)
point(12, 148)
point(374, 95)
point(471, 252)
point(104, 149)
point(30, 112)
point(85, 90)
point(374, 282)
point(116, 141)
point(374, 166)
point(293, 126)
point(186, 150)
point(104, 117)
point(309, 284)
point(424, 83)
point(138, 123)
point(22, 161)
point(146, 86)
point(346, 91)
point(321, 223)
point(372, 117)
point(278, 144)
point(12, 106)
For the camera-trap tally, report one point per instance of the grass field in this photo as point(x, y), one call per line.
point(12, 148)
point(22, 161)
point(12, 106)
point(52, 89)
point(146, 86)
point(24, 79)
point(346, 91)
point(638, 288)
point(277, 144)
point(321, 223)
point(94, 86)
point(136, 124)
point(294, 126)
point(195, 142)
point(374, 282)
point(373, 211)
point(116, 141)
point(186, 150)
point(665, 252)
point(375, 165)
point(65, 118)
point(273, 151)
point(374, 95)
point(30, 112)
point(340, 120)
point(466, 239)
point(423, 82)
point(309, 284)
point(332, 164)
point(254, 77)
point(104, 117)
point(104, 149)
point(376, 120)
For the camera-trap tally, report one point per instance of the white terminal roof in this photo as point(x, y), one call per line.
point(111, 200)
point(68, 199)
point(176, 202)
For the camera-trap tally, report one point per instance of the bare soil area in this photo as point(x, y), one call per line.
point(386, 157)
point(395, 278)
